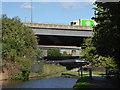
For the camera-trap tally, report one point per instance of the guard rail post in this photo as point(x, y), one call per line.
point(90, 73)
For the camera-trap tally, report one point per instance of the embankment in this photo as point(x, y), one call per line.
point(13, 69)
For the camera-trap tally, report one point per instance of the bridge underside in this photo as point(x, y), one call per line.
point(60, 40)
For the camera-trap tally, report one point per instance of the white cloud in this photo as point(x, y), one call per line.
point(52, 0)
point(75, 5)
point(26, 5)
point(70, 5)
point(60, 0)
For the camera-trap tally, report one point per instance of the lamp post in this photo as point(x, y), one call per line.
point(25, 19)
point(31, 11)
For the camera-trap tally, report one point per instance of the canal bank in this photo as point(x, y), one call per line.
point(56, 80)
point(51, 77)
point(13, 71)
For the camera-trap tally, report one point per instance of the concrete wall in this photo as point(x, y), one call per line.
point(60, 32)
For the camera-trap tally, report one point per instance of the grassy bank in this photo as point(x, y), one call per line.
point(69, 72)
point(96, 72)
point(84, 82)
point(19, 69)
point(52, 70)
point(85, 73)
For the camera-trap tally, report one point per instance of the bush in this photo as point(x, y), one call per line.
point(52, 69)
point(24, 68)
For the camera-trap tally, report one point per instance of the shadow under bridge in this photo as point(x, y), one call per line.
point(69, 63)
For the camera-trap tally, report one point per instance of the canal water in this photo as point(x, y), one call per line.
point(56, 82)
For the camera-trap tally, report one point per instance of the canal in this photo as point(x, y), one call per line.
point(56, 82)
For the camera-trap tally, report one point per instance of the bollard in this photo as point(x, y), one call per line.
point(81, 73)
point(107, 73)
point(90, 73)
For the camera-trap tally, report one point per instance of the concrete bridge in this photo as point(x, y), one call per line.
point(59, 36)
point(60, 30)
point(59, 47)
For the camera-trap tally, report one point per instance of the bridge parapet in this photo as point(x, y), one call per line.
point(55, 26)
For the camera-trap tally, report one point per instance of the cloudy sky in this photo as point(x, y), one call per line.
point(49, 12)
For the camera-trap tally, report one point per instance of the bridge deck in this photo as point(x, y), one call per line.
point(60, 47)
point(55, 26)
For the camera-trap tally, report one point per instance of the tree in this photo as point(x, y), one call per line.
point(19, 45)
point(17, 39)
point(90, 55)
point(65, 54)
point(54, 52)
point(106, 38)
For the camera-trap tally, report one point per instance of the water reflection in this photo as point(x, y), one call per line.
point(58, 82)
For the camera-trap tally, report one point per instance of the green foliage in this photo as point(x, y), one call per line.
point(25, 69)
point(106, 38)
point(24, 62)
point(41, 53)
point(90, 55)
point(17, 77)
point(54, 52)
point(52, 69)
point(19, 44)
point(0, 48)
point(17, 39)
point(65, 54)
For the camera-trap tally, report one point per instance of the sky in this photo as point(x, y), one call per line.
point(49, 12)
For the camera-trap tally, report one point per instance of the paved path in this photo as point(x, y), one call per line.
point(74, 70)
point(102, 82)
point(99, 81)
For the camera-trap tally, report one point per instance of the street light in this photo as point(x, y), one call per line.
point(31, 11)
point(25, 19)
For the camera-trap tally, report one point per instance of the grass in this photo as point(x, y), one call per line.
point(99, 73)
point(69, 72)
point(84, 82)
point(50, 69)
point(86, 72)
point(96, 72)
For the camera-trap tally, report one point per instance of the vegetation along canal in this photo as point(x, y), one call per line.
point(56, 82)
